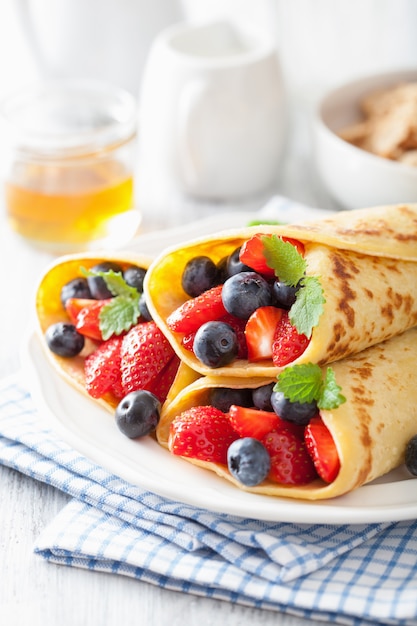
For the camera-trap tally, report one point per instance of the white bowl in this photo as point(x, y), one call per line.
point(353, 177)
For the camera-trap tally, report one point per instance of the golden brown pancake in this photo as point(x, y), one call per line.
point(366, 261)
point(370, 430)
point(50, 310)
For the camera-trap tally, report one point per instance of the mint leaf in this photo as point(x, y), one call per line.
point(122, 312)
point(114, 282)
point(290, 267)
point(300, 383)
point(304, 383)
point(308, 306)
point(284, 259)
point(330, 397)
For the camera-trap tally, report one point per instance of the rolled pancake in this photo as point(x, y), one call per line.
point(370, 430)
point(49, 310)
point(366, 261)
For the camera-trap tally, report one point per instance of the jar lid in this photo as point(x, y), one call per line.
point(69, 116)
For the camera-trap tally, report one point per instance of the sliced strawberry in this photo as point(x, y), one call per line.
point(145, 352)
point(290, 462)
point(238, 326)
point(252, 254)
point(260, 332)
point(197, 311)
point(102, 368)
point(249, 422)
point(322, 449)
point(74, 305)
point(188, 341)
point(202, 432)
point(161, 384)
point(288, 344)
point(297, 244)
point(85, 315)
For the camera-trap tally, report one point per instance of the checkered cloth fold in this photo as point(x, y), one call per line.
point(349, 574)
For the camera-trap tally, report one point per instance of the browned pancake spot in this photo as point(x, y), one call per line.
point(364, 371)
point(366, 441)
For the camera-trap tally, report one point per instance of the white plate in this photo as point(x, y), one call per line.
point(91, 430)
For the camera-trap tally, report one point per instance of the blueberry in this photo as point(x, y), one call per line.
point(411, 455)
point(215, 344)
point(75, 288)
point(283, 295)
point(134, 276)
point(143, 308)
point(221, 268)
point(234, 265)
point(245, 292)
point(297, 412)
point(97, 284)
point(199, 275)
point(261, 397)
point(64, 340)
point(248, 461)
point(223, 397)
point(137, 415)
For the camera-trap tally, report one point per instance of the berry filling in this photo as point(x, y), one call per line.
point(257, 444)
point(245, 292)
point(123, 351)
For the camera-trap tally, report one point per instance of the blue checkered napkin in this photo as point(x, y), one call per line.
point(349, 574)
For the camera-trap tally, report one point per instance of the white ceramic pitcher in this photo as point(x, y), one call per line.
point(212, 110)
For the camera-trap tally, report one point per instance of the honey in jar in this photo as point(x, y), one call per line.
point(69, 180)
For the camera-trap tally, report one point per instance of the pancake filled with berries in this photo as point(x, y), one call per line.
point(251, 302)
point(97, 332)
point(312, 432)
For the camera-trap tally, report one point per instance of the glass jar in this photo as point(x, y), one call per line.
point(69, 165)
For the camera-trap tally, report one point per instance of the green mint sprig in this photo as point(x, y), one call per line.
point(122, 312)
point(305, 383)
point(290, 267)
point(308, 306)
point(284, 259)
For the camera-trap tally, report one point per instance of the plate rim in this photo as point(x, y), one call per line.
point(341, 510)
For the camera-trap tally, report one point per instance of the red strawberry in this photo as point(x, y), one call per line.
point(250, 422)
point(290, 462)
point(202, 432)
point(102, 368)
point(260, 332)
point(322, 449)
point(193, 313)
point(188, 341)
point(297, 244)
point(161, 384)
point(85, 315)
point(288, 344)
point(117, 388)
point(252, 253)
point(145, 352)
